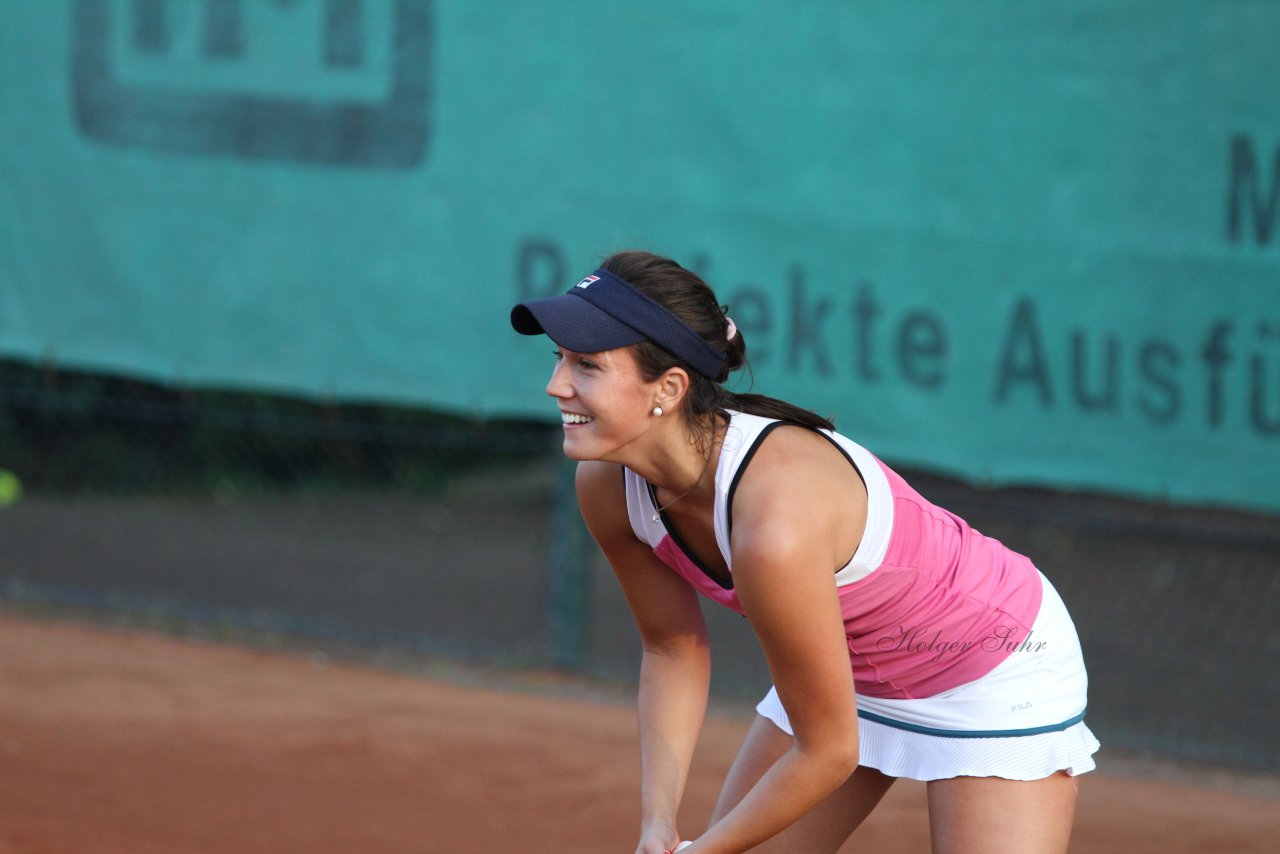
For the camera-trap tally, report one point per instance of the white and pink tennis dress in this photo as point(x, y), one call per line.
point(963, 656)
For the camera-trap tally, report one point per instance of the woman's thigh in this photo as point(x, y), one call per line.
point(1010, 816)
point(826, 826)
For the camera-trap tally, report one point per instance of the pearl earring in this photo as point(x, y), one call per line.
point(657, 410)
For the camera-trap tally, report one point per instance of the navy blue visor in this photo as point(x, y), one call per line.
point(603, 312)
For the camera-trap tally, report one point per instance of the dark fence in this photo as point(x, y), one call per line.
point(385, 530)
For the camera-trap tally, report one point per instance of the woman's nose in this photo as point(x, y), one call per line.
point(556, 386)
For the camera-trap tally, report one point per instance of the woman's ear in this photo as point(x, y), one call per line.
point(672, 387)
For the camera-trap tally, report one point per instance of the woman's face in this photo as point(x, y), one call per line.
point(604, 401)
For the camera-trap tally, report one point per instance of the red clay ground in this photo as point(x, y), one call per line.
point(118, 740)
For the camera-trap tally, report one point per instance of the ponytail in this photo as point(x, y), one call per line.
point(778, 410)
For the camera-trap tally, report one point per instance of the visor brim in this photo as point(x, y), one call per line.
point(573, 323)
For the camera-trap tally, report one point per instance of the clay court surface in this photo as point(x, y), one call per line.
point(120, 740)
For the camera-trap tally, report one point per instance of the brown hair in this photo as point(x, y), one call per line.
point(688, 297)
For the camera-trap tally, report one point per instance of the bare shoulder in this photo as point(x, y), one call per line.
point(599, 478)
point(797, 444)
point(799, 487)
point(793, 459)
point(602, 498)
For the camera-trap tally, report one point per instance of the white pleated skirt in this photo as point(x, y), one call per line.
point(1024, 720)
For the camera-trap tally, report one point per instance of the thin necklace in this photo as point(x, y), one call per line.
point(658, 512)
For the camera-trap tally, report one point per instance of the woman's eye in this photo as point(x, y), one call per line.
point(578, 361)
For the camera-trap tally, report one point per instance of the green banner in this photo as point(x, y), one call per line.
point(1016, 242)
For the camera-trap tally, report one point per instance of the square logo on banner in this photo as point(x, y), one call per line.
point(338, 82)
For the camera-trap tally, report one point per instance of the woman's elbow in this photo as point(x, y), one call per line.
point(845, 760)
point(836, 760)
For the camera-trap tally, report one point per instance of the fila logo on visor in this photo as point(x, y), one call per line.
point(587, 281)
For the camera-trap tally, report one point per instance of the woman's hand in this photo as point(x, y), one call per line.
point(658, 839)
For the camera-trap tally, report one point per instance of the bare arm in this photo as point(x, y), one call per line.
point(675, 665)
point(798, 516)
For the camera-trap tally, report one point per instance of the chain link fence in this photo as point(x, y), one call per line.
point(397, 532)
point(356, 524)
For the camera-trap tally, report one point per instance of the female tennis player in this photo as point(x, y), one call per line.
point(901, 642)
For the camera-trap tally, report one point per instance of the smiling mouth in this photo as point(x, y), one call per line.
point(574, 418)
